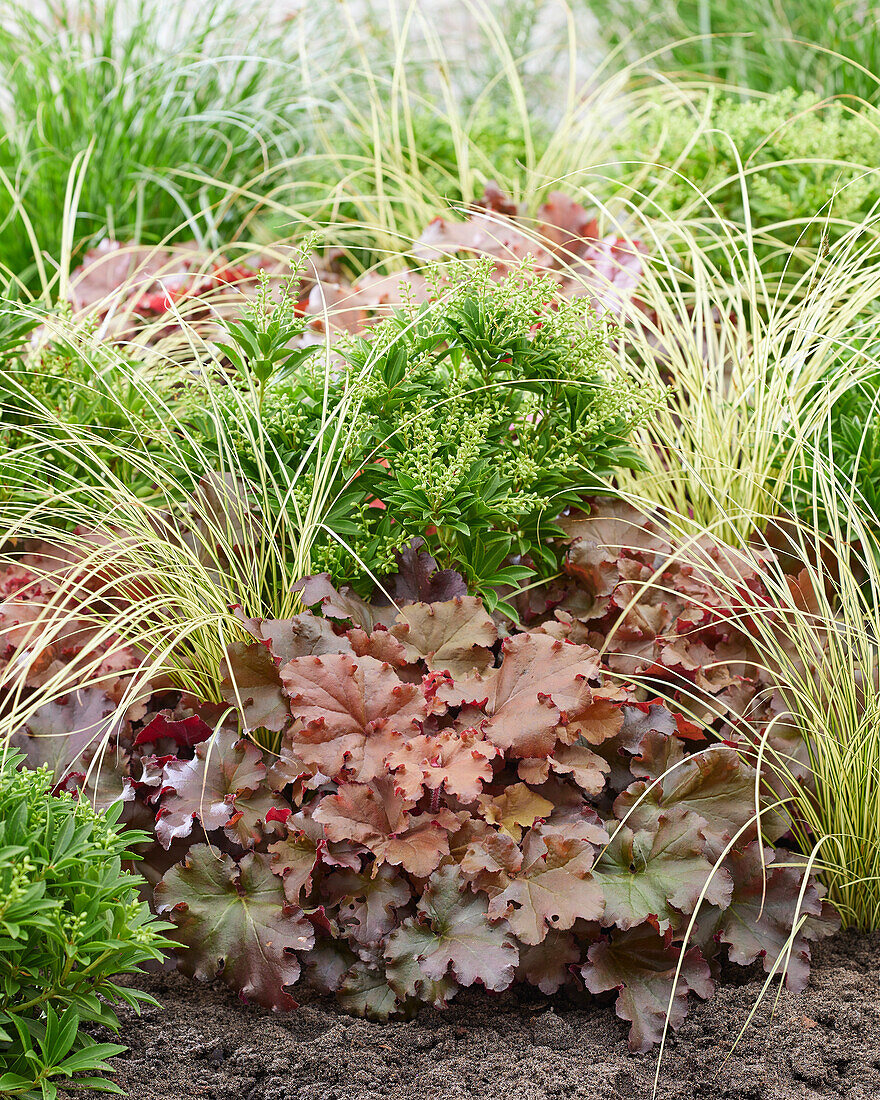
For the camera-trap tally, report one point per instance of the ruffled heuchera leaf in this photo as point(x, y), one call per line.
point(760, 916)
point(343, 702)
point(583, 766)
point(342, 853)
point(657, 612)
point(658, 753)
point(458, 763)
point(58, 733)
point(613, 526)
point(601, 720)
point(658, 874)
point(642, 965)
point(377, 816)
point(541, 686)
point(517, 808)
point(482, 234)
point(405, 974)
point(252, 685)
point(553, 889)
point(575, 822)
point(609, 272)
point(488, 857)
point(206, 786)
point(342, 605)
point(547, 964)
point(380, 644)
point(289, 768)
point(534, 772)
point(715, 784)
point(255, 816)
point(184, 732)
point(454, 636)
point(566, 223)
point(365, 991)
point(463, 942)
point(294, 858)
point(300, 636)
point(639, 721)
point(367, 904)
point(233, 922)
point(328, 963)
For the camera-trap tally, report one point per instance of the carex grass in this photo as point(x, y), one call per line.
point(151, 91)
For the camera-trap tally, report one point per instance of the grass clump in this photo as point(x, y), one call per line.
point(153, 113)
point(425, 117)
point(752, 367)
point(830, 45)
point(816, 725)
point(70, 921)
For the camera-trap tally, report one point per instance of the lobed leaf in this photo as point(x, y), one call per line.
point(658, 874)
point(541, 686)
point(455, 636)
point(452, 935)
point(642, 964)
point(223, 770)
point(378, 816)
point(343, 702)
point(233, 922)
point(458, 763)
point(551, 890)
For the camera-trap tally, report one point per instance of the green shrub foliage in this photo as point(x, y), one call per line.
point(477, 417)
point(71, 920)
point(809, 165)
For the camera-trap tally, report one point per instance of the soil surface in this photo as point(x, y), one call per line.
point(519, 1045)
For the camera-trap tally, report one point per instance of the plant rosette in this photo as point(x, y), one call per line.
point(451, 804)
point(447, 808)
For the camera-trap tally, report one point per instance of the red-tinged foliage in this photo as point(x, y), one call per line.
point(645, 968)
point(235, 920)
point(130, 286)
point(448, 808)
point(184, 732)
point(48, 635)
point(443, 829)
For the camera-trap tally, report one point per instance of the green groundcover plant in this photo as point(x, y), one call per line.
point(71, 920)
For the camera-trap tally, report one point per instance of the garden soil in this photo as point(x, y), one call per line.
point(823, 1043)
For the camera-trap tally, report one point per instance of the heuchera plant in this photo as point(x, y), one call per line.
point(661, 616)
point(455, 804)
point(450, 808)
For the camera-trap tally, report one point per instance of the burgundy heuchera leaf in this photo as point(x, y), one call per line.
point(342, 702)
point(641, 964)
point(206, 786)
point(233, 921)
